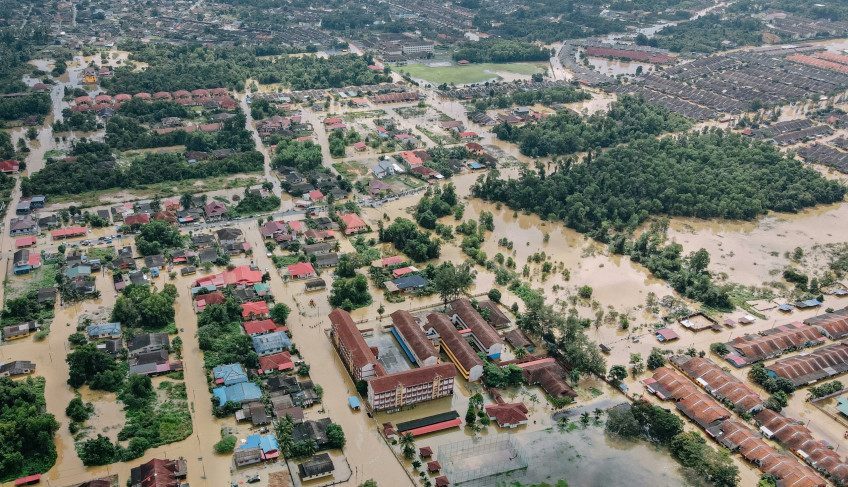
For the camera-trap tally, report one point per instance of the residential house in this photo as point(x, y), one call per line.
point(24, 261)
point(275, 362)
point(320, 466)
point(202, 240)
point(154, 261)
point(104, 330)
point(229, 374)
point(242, 392)
point(353, 224)
point(317, 248)
point(375, 187)
point(23, 226)
point(259, 327)
point(507, 415)
point(10, 166)
point(21, 330)
point(247, 456)
point(254, 310)
point(46, 294)
point(137, 219)
point(313, 430)
point(18, 367)
point(327, 260)
point(112, 347)
point(386, 167)
point(406, 284)
point(271, 343)
point(215, 210)
point(138, 278)
point(148, 342)
point(158, 473)
point(272, 228)
point(228, 236)
point(301, 270)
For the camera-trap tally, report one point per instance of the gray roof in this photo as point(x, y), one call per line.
point(316, 430)
point(17, 367)
point(320, 464)
point(148, 339)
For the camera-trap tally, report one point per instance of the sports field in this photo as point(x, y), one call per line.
point(471, 73)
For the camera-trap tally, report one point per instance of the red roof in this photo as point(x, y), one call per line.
point(507, 414)
point(301, 269)
point(395, 259)
point(668, 334)
point(123, 97)
point(401, 271)
point(34, 259)
point(25, 241)
point(103, 99)
point(434, 466)
point(240, 275)
point(277, 361)
point(474, 146)
point(263, 326)
point(139, 219)
point(25, 480)
point(359, 145)
point(143, 96)
point(435, 427)
point(352, 222)
point(351, 339)
point(468, 134)
point(68, 232)
point(294, 225)
point(10, 165)
point(328, 121)
point(316, 195)
point(257, 308)
point(411, 158)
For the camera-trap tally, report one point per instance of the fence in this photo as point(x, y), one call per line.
point(474, 462)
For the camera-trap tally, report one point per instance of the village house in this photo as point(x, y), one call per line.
point(23, 226)
point(18, 367)
point(229, 374)
point(147, 342)
point(104, 330)
point(302, 270)
point(215, 210)
point(320, 466)
point(271, 343)
point(158, 473)
point(21, 330)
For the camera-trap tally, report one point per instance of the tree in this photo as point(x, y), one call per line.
point(656, 359)
point(177, 347)
point(719, 349)
point(368, 483)
point(346, 266)
point(494, 295)
point(77, 339)
point(87, 364)
point(622, 423)
point(452, 281)
point(279, 313)
point(416, 464)
point(407, 443)
point(335, 436)
point(585, 292)
point(226, 445)
point(303, 370)
point(79, 411)
point(520, 352)
point(304, 448)
point(97, 451)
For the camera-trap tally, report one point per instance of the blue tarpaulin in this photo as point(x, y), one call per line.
point(354, 402)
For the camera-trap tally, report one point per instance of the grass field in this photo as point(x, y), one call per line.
point(471, 73)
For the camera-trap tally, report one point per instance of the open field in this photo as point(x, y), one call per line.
point(472, 73)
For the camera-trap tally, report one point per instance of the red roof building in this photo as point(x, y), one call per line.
point(276, 362)
point(261, 327)
point(483, 333)
point(158, 473)
point(10, 166)
point(353, 224)
point(27, 241)
point(301, 270)
point(240, 275)
point(204, 300)
point(411, 386)
point(455, 346)
point(352, 349)
point(256, 309)
point(138, 219)
point(215, 209)
point(69, 232)
point(316, 195)
point(508, 415)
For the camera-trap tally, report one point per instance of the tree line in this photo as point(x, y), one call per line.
point(545, 96)
point(26, 438)
point(628, 119)
point(716, 174)
point(97, 171)
point(494, 50)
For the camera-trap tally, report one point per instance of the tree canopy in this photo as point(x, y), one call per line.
point(26, 436)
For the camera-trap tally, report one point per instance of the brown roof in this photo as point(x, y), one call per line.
point(496, 316)
point(791, 472)
point(702, 409)
point(761, 347)
point(835, 324)
point(677, 386)
point(720, 383)
point(507, 413)
point(819, 364)
point(411, 377)
point(517, 338)
point(549, 376)
point(481, 330)
point(750, 445)
point(352, 339)
point(453, 340)
point(412, 334)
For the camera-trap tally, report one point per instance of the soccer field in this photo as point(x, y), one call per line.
point(471, 73)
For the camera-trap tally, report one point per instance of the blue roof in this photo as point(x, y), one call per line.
point(475, 165)
point(812, 302)
point(786, 307)
point(251, 441)
point(104, 329)
point(244, 391)
point(271, 341)
point(414, 280)
point(402, 346)
point(354, 402)
point(78, 270)
point(269, 444)
point(231, 374)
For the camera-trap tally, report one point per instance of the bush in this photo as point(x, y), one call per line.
point(226, 445)
point(495, 295)
point(79, 411)
point(719, 349)
point(585, 292)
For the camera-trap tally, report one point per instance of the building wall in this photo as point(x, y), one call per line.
point(404, 396)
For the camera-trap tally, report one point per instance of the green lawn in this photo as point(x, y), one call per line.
point(471, 73)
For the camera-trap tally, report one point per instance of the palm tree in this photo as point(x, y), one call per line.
point(185, 200)
point(407, 443)
point(520, 352)
point(598, 412)
point(584, 417)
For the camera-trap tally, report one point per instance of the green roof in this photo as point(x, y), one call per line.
point(842, 405)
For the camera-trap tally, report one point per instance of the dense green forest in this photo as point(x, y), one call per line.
point(125, 133)
point(95, 170)
point(18, 108)
point(532, 22)
point(407, 238)
point(546, 96)
point(628, 119)
point(152, 112)
point(494, 50)
point(304, 156)
point(704, 175)
point(708, 33)
point(17, 46)
point(190, 67)
point(26, 436)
